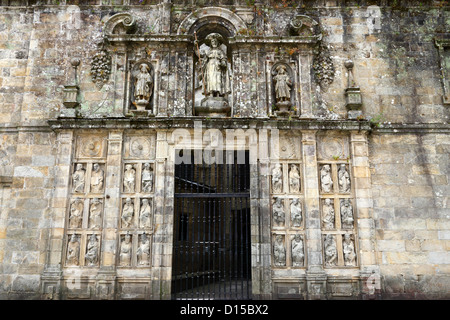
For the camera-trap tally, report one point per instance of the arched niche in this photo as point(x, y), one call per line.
point(197, 20)
point(283, 106)
point(142, 71)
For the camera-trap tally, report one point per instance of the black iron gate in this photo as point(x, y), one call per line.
point(211, 251)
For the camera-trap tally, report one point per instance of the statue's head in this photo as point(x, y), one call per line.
point(214, 40)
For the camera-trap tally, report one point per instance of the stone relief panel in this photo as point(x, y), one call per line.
point(91, 146)
point(140, 147)
point(332, 147)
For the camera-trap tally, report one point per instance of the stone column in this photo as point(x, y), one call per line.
point(315, 275)
point(260, 220)
point(111, 213)
point(369, 270)
point(51, 276)
point(163, 219)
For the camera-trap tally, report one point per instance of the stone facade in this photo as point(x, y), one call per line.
point(343, 106)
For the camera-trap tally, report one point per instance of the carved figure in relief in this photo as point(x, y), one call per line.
point(346, 214)
point(298, 253)
point(279, 252)
point(330, 250)
point(125, 251)
point(214, 67)
point(343, 179)
point(349, 251)
point(127, 213)
point(144, 214)
point(73, 251)
point(296, 213)
point(96, 178)
point(95, 219)
point(92, 251)
point(147, 178)
point(283, 84)
point(278, 212)
point(143, 84)
point(78, 178)
point(143, 251)
point(129, 179)
point(294, 179)
point(325, 179)
point(277, 179)
point(76, 213)
point(328, 215)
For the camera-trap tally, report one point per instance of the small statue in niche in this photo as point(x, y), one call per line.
point(129, 179)
point(143, 251)
point(143, 87)
point(283, 85)
point(278, 212)
point(92, 251)
point(127, 213)
point(95, 219)
point(328, 215)
point(279, 252)
point(349, 251)
point(78, 178)
point(147, 178)
point(296, 213)
point(294, 179)
point(343, 179)
point(125, 251)
point(76, 213)
point(346, 214)
point(214, 67)
point(298, 254)
point(325, 179)
point(96, 178)
point(144, 214)
point(277, 179)
point(330, 250)
point(73, 251)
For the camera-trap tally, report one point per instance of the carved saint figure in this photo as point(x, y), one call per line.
point(125, 251)
point(343, 179)
point(346, 214)
point(296, 213)
point(95, 219)
point(283, 84)
point(143, 85)
point(328, 215)
point(349, 251)
point(277, 179)
point(278, 212)
point(144, 214)
point(76, 213)
point(92, 251)
point(143, 251)
point(294, 179)
point(298, 254)
point(214, 67)
point(279, 252)
point(127, 213)
point(147, 178)
point(96, 178)
point(78, 179)
point(129, 179)
point(73, 251)
point(330, 250)
point(325, 179)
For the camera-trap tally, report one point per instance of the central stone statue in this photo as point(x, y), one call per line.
point(215, 77)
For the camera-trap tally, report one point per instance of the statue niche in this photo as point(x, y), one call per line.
point(282, 87)
point(142, 75)
point(212, 85)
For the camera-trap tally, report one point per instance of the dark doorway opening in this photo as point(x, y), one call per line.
point(211, 248)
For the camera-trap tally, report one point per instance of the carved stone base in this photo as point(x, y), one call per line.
point(213, 107)
point(68, 113)
point(284, 109)
point(141, 104)
point(141, 113)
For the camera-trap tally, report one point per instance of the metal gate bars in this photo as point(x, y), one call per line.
point(211, 251)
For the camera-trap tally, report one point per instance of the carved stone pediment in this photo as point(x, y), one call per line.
point(120, 23)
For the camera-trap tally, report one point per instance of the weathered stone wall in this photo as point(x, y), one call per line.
point(396, 66)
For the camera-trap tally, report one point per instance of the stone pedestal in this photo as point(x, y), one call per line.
point(284, 109)
point(353, 102)
point(213, 107)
